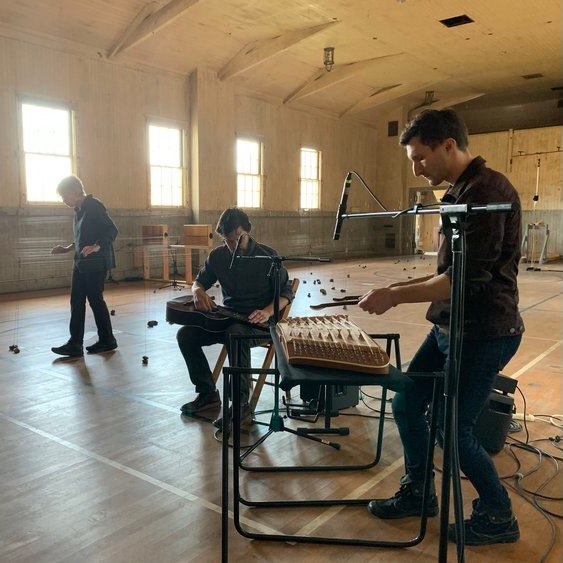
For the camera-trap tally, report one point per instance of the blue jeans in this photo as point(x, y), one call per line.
point(480, 362)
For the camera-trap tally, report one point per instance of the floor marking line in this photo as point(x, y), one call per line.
point(536, 360)
point(356, 493)
point(134, 473)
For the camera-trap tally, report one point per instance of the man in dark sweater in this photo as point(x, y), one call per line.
point(94, 233)
point(436, 142)
point(247, 287)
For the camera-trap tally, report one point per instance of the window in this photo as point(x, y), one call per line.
point(249, 173)
point(166, 165)
point(310, 178)
point(48, 147)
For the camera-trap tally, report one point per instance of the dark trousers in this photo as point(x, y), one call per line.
point(88, 286)
point(480, 362)
point(191, 340)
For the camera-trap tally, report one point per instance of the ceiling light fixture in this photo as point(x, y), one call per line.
point(328, 58)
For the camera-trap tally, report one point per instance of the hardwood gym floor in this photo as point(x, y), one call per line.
point(97, 465)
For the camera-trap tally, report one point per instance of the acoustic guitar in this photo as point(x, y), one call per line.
point(181, 311)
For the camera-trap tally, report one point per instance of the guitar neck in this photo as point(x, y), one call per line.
point(239, 317)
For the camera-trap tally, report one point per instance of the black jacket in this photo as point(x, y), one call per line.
point(93, 225)
point(246, 284)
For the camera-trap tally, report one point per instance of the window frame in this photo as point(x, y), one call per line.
point(182, 128)
point(303, 179)
point(260, 175)
point(48, 103)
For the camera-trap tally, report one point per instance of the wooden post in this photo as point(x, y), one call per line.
point(155, 236)
point(196, 237)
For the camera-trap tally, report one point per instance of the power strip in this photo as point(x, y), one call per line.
point(520, 416)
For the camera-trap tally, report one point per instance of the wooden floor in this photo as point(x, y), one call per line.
point(97, 465)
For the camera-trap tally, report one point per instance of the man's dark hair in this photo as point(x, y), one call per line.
point(231, 219)
point(433, 126)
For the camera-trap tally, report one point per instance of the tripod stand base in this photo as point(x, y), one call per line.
point(175, 285)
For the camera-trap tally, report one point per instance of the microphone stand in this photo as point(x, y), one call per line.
point(453, 218)
point(276, 423)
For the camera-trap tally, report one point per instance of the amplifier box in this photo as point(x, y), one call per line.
point(341, 396)
point(493, 423)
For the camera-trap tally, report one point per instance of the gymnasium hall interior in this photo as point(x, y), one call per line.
point(171, 111)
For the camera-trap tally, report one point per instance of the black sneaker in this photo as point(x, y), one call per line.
point(69, 349)
point(485, 527)
point(100, 347)
point(202, 402)
point(245, 416)
point(407, 501)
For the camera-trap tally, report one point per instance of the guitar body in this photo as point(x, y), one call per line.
point(181, 311)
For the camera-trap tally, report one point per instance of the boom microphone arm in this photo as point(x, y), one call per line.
point(341, 213)
point(342, 205)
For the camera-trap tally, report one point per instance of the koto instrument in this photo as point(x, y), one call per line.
point(333, 342)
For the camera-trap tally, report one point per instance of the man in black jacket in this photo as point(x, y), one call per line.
point(94, 233)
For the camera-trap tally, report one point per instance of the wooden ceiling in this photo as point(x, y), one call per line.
point(387, 52)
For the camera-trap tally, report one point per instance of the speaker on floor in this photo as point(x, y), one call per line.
point(342, 396)
point(491, 428)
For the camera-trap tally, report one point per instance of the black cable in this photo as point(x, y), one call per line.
point(525, 412)
point(546, 516)
point(369, 191)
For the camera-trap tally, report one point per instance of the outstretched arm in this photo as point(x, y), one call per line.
point(428, 288)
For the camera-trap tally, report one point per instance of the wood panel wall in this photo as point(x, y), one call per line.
point(113, 101)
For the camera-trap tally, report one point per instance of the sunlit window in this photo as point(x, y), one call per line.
point(48, 149)
point(249, 173)
point(166, 165)
point(310, 178)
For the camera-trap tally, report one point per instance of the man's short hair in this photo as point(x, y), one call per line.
point(231, 219)
point(433, 127)
point(70, 184)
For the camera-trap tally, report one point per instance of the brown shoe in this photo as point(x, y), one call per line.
point(245, 416)
point(202, 402)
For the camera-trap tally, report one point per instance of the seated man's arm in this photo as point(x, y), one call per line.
point(263, 315)
point(202, 301)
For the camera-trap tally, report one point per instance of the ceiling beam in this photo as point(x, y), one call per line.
point(453, 100)
point(444, 101)
point(324, 79)
point(149, 21)
point(259, 51)
point(387, 94)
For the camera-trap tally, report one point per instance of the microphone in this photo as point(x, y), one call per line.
point(235, 252)
point(342, 206)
